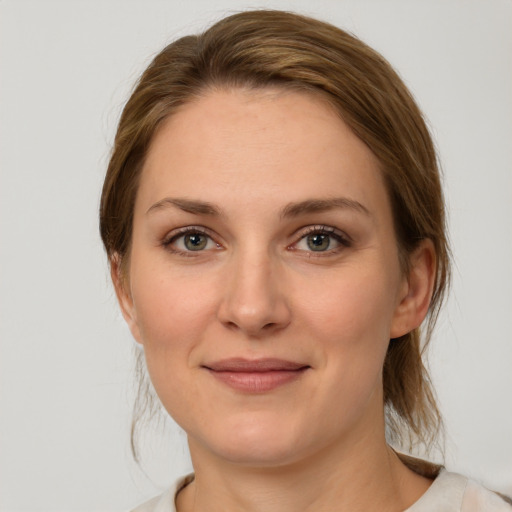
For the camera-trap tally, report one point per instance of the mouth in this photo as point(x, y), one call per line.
point(256, 376)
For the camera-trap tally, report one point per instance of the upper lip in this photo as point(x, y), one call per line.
point(239, 364)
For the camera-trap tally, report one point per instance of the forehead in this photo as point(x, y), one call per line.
point(275, 143)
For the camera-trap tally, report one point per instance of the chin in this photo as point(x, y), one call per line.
point(254, 443)
point(261, 453)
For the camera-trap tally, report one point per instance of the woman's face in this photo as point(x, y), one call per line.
point(264, 280)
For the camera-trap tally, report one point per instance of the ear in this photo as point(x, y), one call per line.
point(124, 296)
point(416, 292)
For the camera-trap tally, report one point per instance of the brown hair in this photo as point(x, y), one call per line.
point(257, 49)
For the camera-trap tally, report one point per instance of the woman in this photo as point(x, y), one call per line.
point(274, 220)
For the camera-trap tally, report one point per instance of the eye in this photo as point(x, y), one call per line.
point(195, 241)
point(318, 242)
point(190, 240)
point(321, 239)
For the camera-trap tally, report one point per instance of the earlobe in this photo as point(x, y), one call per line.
point(124, 297)
point(417, 291)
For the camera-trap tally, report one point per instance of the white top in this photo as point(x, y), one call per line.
point(449, 492)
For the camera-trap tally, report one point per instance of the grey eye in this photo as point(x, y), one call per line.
point(195, 241)
point(318, 242)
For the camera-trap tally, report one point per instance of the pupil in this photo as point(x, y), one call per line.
point(318, 242)
point(195, 242)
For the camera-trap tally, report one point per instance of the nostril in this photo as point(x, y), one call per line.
point(267, 327)
point(231, 325)
point(253, 307)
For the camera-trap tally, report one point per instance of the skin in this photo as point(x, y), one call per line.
point(258, 290)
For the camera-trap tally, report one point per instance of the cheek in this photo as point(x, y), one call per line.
point(172, 318)
point(355, 304)
point(173, 310)
point(350, 315)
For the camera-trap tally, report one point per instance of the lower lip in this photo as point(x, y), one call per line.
point(257, 382)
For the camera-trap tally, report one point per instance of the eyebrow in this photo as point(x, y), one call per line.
point(322, 205)
point(290, 210)
point(187, 205)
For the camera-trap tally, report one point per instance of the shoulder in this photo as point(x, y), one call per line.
point(478, 498)
point(451, 492)
point(166, 501)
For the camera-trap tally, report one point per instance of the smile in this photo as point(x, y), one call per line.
point(257, 376)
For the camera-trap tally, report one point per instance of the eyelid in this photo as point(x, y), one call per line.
point(183, 231)
point(321, 228)
point(175, 234)
point(343, 239)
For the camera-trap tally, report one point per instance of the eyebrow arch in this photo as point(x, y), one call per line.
point(187, 205)
point(322, 205)
point(290, 210)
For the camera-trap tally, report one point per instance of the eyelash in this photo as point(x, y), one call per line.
point(168, 241)
point(337, 235)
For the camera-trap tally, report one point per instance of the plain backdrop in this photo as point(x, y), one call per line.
point(66, 69)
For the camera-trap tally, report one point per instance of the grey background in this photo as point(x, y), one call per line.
point(66, 69)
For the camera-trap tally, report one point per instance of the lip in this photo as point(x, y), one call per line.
point(257, 375)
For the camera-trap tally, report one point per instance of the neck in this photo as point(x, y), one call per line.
point(356, 476)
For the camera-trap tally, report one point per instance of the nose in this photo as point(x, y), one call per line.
point(254, 301)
